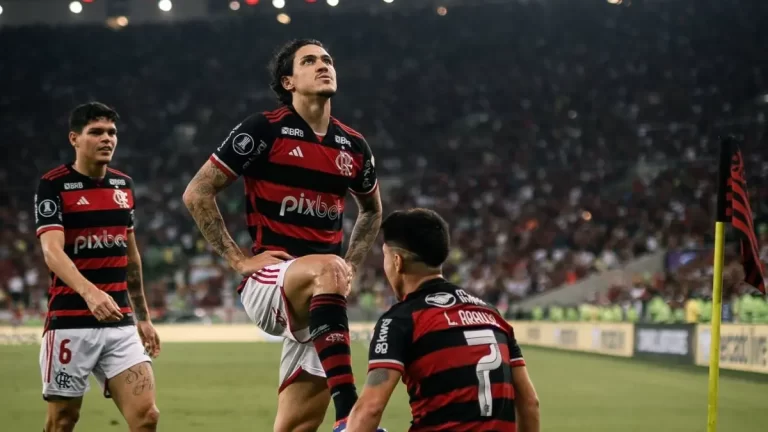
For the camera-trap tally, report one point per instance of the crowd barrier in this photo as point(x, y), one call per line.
point(615, 339)
point(742, 347)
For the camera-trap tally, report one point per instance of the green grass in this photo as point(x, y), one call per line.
point(232, 387)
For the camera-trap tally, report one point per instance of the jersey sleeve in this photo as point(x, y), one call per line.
point(47, 208)
point(390, 342)
point(132, 220)
point(515, 353)
point(244, 145)
point(365, 182)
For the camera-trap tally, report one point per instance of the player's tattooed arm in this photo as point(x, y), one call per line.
point(135, 281)
point(200, 199)
point(377, 377)
point(366, 228)
point(367, 412)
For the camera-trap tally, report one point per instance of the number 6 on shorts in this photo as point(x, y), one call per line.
point(65, 355)
point(485, 365)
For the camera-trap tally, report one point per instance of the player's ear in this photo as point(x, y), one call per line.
point(399, 264)
point(287, 83)
point(73, 139)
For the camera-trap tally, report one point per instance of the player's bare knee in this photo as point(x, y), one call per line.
point(146, 418)
point(151, 417)
point(332, 277)
point(62, 419)
point(307, 425)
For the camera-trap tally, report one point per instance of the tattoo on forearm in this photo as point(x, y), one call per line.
point(377, 377)
point(206, 213)
point(136, 291)
point(366, 230)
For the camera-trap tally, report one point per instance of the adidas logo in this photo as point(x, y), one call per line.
point(83, 201)
point(297, 152)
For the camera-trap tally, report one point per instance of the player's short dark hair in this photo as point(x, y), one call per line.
point(282, 65)
point(419, 231)
point(88, 112)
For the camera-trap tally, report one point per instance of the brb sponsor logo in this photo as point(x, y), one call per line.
point(74, 185)
point(99, 241)
point(342, 140)
point(306, 206)
point(292, 132)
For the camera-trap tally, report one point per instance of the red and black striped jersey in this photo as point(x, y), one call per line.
point(455, 353)
point(296, 181)
point(96, 216)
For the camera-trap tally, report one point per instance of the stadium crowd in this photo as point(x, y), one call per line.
point(558, 138)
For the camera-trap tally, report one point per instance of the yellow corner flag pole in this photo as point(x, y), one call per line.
point(714, 345)
point(717, 283)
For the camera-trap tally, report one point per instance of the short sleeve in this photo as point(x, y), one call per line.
point(132, 220)
point(365, 182)
point(515, 353)
point(244, 145)
point(47, 208)
point(391, 339)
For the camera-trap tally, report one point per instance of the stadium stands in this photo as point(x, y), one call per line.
point(560, 139)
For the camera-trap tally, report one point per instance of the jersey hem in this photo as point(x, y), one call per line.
point(517, 362)
point(122, 323)
point(229, 172)
point(364, 194)
point(386, 365)
point(45, 228)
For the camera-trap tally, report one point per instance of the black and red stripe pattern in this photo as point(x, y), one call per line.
point(329, 331)
point(96, 216)
point(734, 207)
point(455, 354)
point(296, 182)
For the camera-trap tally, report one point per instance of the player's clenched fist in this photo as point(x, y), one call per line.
point(103, 306)
point(149, 338)
point(255, 263)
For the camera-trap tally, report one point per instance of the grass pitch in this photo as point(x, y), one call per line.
point(232, 387)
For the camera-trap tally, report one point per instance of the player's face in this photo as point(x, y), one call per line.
point(313, 73)
point(97, 142)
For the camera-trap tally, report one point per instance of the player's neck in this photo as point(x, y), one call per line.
point(90, 169)
point(315, 111)
point(411, 283)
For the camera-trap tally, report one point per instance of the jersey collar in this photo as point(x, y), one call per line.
point(432, 285)
point(307, 129)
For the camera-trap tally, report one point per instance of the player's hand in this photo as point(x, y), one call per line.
point(149, 338)
point(255, 263)
point(103, 306)
point(351, 272)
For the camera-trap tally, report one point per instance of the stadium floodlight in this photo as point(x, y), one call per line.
point(75, 7)
point(283, 18)
point(388, 1)
point(333, 2)
point(234, 5)
point(165, 5)
point(279, 4)
point(1, 10)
